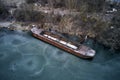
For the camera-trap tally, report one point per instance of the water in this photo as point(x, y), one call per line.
point(22, 57)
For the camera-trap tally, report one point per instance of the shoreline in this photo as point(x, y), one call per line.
point(94, 41)
point(13, 26)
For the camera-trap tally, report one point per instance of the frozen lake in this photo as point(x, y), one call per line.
point(23, 57)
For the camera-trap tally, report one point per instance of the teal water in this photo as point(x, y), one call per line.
point(22, 57)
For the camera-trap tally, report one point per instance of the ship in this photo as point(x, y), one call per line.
point(65, 44)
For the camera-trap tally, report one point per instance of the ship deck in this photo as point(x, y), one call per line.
point(60, 38)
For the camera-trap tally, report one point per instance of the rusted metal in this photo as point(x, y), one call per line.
point(62, 43)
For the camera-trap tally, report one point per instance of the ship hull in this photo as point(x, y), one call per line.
point(56, 44)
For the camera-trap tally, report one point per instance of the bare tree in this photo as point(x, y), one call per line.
point(71, 4)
